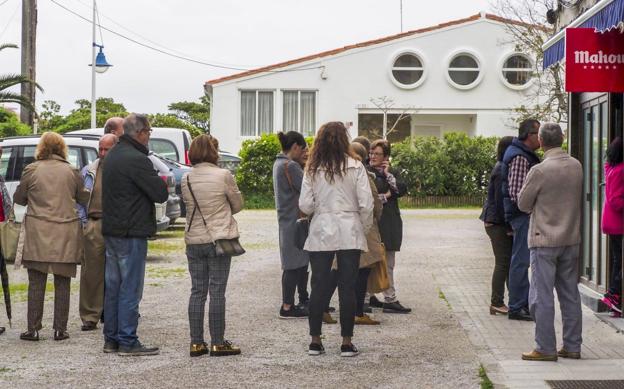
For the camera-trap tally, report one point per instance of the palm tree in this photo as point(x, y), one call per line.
point(9, 80)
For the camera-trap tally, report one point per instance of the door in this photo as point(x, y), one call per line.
point(595, 142)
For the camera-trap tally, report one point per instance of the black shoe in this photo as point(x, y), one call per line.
point(2, 329)
point(331, 310)
point(32, 336)
point(367, 309)
point(375, 303)
point(304, 304)
point(316, 349)
point(295, 312)
point(348, 350)
point(110, 346)
point(61, 335)
point(138, 350)
point(395, 307)
point(522, 315)
point(88, 326)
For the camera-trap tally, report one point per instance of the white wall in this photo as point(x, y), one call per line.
point(356, 76)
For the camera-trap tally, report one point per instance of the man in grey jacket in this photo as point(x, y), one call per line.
point(552, 194)
point(92, 267)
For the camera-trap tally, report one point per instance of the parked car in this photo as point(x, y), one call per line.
point(171, 143)
point(174, 207)
point(18, 152)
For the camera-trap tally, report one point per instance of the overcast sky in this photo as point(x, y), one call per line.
point(238, 33)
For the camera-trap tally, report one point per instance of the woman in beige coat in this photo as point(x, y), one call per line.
point(211, 197)
point(50, 187)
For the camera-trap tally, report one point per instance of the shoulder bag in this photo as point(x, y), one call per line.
point(9, 236)
point(302, 225)
point(223, 247)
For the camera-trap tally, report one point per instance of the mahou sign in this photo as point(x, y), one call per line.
point(594, 61)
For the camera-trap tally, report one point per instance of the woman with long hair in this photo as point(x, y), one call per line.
point(50, 187)
point(337, 195)
point(613, 222)
point(500, 233)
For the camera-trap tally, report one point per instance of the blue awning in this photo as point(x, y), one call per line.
point(603, 16)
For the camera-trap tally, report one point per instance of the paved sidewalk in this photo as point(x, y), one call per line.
point(499, 342)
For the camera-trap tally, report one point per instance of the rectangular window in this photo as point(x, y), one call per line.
point(299, 112)
point(256, 112)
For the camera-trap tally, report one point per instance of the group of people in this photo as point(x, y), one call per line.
point(532, 216)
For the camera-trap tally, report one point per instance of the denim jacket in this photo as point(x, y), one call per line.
point(88, 174)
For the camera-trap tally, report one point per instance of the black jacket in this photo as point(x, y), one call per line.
point(130, 187)
point(493, 209)
point(390, 223)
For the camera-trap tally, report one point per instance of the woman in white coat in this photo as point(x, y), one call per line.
point(336, 193)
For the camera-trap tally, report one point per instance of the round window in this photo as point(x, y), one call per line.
point(464, 70)
point(517, 71)
point(408, 70)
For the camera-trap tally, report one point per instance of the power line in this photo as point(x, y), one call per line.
point(3, 2)
point(10, 19)
point(185, 58)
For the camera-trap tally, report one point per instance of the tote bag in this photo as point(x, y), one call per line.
point(378, 279)
point(9, 236)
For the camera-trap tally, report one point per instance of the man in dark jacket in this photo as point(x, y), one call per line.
point(131, 186)
point(519, 158)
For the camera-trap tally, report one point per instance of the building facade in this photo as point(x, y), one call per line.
point(460, 76)
point(595, 119)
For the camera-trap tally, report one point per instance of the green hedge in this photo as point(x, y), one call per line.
point(456, 165)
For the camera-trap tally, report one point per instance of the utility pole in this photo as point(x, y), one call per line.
point(401, 2)
point(29, 43)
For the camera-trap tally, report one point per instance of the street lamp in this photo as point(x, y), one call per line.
point(101, 65)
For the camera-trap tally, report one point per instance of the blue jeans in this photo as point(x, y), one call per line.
point(124, 276)
point(519, 268)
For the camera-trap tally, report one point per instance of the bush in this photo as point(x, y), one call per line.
point(10, 124)
point(255, 172)
point(456, 165)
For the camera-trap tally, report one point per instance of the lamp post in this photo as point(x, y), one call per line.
point(98, 65)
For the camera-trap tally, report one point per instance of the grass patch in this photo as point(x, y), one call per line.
point(166, 247)
point(4, 370)
point(165, 272)
point(259, 201)
point(260, 246)
point(170, 234)
point(443, 297)
point(485, 380)
point(19, 291)
point(155, 284)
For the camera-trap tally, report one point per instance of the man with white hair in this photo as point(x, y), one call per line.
point(92, 266)
point(552, 194)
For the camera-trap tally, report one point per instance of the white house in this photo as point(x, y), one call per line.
point(463, 75)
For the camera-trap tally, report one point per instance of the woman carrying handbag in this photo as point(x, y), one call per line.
point(211, 197)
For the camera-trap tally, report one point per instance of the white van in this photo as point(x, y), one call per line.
point(171, 143)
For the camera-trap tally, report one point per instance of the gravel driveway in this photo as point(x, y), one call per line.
point(427, 348)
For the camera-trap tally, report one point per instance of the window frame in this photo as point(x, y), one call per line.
point(480, 68)
point(424, 68)
point(502, 69)
point(240, 112)
point(299, 91)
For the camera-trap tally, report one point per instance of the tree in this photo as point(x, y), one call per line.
point(80, 118)
point(546, 99)
point(172, 121)
point(195, 114)
point(10, 124)
point(385, 104)
point(49, 117)
point(8, 81)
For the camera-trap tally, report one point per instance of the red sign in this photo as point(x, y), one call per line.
point(594, 60)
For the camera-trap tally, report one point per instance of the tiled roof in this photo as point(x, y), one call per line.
point(365, 44)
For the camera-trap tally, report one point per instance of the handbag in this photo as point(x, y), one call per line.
point(9, 236)
point(378, 280)
point(223, 247)
point(302, 225)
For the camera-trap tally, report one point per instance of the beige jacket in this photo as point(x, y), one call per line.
point(218, 197)
point(375, 247)
point(53, 232)
point(552, 194)
point(342, 210)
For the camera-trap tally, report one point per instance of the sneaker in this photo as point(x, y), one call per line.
point(110, 346)
point(28, 335)
point(375, 303)
point(395, 307)
point(316, 349)
point(199, 349)
point(223, 350)
point(328, 319)
point(138, 350)
point(348, 350)
point(295, 312)
point(366, 320)
point(304, 304)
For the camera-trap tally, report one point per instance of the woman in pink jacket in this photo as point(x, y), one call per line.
point(613, 221)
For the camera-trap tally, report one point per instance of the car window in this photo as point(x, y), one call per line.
point(164, 147)
point(26, 158)
point(4, 162)
point(90, 155)
point(73, 156)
